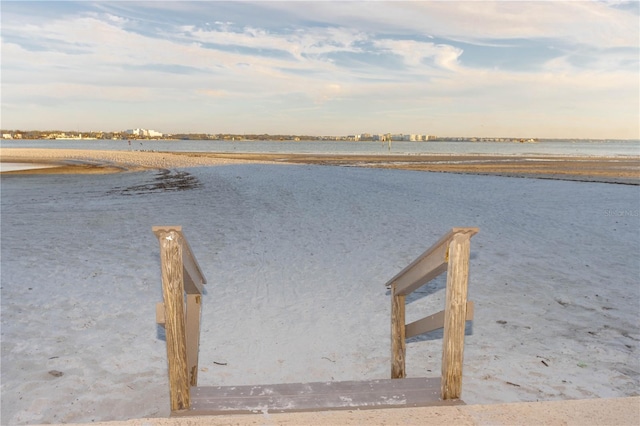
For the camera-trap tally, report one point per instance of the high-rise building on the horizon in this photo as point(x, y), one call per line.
point(144, 133)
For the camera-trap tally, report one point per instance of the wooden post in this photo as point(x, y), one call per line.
point(173, 293)
point(194, 304)
point(398, 341)
point(455, 316)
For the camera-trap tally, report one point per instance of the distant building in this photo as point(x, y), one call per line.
point(7, 136)
point(366, 137)
point(144, 133)
point(135, 132)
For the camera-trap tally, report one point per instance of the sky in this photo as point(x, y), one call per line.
point(546, 69)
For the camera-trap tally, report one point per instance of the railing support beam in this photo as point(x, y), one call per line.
point(180, 274)
point(451, 254)
point(398, 339)
point(173, 294)
point(455, 316)
point(194, 307)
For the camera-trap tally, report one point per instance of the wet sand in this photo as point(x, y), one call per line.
point(622, 170)
point(594, 169)
point(79, 161)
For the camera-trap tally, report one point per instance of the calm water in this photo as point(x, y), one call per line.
point(573, 148)
point(11, 167)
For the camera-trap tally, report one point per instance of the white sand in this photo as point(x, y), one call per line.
point(592, 412)
point(296, 259)
point(123, 158)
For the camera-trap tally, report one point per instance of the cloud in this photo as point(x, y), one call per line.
point(301, 45)
point(361, 59)
point(577, 22)
point(214, 93)
point(415, 52)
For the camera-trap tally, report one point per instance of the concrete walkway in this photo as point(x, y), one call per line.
point(609, 412)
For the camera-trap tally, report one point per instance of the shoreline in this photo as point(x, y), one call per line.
point(618, 170)
point(85, 161)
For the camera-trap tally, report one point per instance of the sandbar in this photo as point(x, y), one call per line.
point(622, 170)
point(80, 161)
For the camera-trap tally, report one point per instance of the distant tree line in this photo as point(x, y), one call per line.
point(54, 134)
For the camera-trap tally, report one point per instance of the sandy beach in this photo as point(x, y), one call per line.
point(77, 161)
point(618, 412)
point(296, 258)
point(604, 169)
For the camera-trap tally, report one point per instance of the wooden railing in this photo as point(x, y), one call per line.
point(450, 253)
point(180, 274)
point(180, 316)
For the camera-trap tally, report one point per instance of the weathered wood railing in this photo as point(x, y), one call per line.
point(450, 253)
point(180, 274)
point(181, 318)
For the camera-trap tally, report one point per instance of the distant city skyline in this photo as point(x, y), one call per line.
point(470, 69)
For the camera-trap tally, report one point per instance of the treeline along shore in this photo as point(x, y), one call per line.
point(363, 137)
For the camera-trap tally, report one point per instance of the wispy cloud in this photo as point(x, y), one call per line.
point(333, 65)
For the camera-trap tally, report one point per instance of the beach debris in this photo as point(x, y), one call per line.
point(56, 373)
point(164, 181)
point(581, 364)
point(219, 363)
point(513, 384)
point(501, 322)
point(544, 360)
point(328, 359)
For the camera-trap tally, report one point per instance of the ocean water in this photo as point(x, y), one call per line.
point(552, 147)
point(10, 167)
